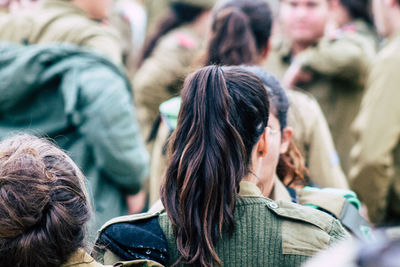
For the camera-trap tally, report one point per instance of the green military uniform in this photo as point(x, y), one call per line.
point(339, 67)
point(267, 233)
point(83, 102)
point(61, 21)
point(375, 174)
point(312, 137)
point(161, 75)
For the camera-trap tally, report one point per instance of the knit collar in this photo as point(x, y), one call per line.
point(249, 189)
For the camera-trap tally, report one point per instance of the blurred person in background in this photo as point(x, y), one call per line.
point(167, 57)
point(375, 174)
point(128, 17)
point(326, 50)
point(83, 102)
point(78, 22)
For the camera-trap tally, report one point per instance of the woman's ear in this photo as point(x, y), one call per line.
point(262, 145)
point(287, 134)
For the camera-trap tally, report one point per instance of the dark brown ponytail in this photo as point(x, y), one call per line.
point(224, 111)
point(240, 31)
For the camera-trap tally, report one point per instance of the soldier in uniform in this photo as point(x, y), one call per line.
point(167, 57)
point(71, 21)
point(215, 213)
point(375, 174)
point(332, 67)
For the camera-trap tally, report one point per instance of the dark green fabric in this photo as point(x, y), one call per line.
point(257, 240)
point(84, 103)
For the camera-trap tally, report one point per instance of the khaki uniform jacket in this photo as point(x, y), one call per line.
point(339, 66)
point(375, 174)
point(161, 75)
point(61, 21)
point(312, 137)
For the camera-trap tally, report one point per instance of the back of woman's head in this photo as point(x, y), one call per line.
point(240, 32)
point(224, 112)
point(358, 9)
point(43, 203)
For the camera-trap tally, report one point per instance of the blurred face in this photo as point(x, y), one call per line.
point(380, 16)
point(304, 20)
point(97, 9)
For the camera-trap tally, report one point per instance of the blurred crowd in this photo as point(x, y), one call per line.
point(224, 132)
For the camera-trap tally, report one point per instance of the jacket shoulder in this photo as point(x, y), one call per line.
point(305, 231)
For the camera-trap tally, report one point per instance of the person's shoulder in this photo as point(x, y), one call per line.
point(304, 105)
point(390, 52)
point(304, 230)
point(180, 39)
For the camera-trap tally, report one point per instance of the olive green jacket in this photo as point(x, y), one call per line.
point(161, 76)
point(84, 103)
point(339, 66)
point(375, 174)
point(61, 21)
point(269, 233)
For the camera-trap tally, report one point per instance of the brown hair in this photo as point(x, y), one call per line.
point(240, 32)
point(224, 112)
point(43, 203)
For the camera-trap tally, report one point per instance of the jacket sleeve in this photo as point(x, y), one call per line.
point(344, 58)
point(377, 130)
point(110, 128)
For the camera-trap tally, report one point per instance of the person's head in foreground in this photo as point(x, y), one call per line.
point(44, 206)
point(221, 138)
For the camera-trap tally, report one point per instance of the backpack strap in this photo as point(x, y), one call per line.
point(341, 204)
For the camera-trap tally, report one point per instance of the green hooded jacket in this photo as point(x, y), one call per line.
point(83, 102)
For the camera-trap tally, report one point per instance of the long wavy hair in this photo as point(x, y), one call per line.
point(240, 32)
point(224, 112)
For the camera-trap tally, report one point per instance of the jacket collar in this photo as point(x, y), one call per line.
point(279, 192)
point(249, 189)
point(81, 259)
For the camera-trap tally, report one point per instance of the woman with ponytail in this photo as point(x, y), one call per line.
point(216, 214)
